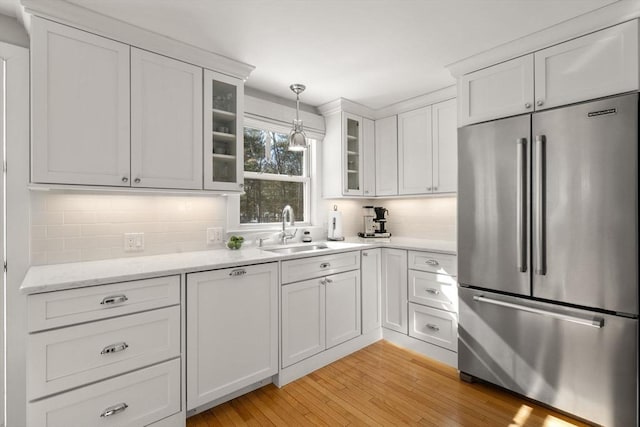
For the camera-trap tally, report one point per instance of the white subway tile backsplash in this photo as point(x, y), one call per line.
point(84, 226)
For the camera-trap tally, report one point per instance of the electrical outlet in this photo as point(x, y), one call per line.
point(133, 242)
point(214, 235)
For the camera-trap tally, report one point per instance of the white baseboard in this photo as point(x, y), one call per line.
point(228, 397)
point(440, 354)
point(304, 367)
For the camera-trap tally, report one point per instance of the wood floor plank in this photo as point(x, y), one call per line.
point(383, 385)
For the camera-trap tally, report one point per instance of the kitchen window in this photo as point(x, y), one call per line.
point(273, 177)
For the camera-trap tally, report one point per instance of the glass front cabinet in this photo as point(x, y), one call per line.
point(352, 140)
point(223, 132)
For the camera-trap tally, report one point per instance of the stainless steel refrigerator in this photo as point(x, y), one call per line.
point(548, 257)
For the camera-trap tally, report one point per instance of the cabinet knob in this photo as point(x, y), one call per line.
point(238, 272)
point(325, 265)
point(137, 180)
point(428, 188)
point(527, 105)
point(365, 254)
point(435, 188)
point(432, 262)
point(432, 327)
point(432, 291)
point(539, 102)
point(115, 348)
point(114, 299)
point(125, 179)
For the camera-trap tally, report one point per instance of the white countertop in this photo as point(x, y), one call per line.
point(56, 277)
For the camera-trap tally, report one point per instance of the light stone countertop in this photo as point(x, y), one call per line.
point(47, 278)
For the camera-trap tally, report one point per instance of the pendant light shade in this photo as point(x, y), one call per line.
point(297, 137)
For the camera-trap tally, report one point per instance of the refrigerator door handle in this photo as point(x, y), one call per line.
point(595, 322)
point(521, 202)
point(539, 208)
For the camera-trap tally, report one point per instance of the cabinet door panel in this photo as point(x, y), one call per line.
point(505, 89)
point(371, 283)
point(387, 156)
point(415, 152)
point(445, 147)
point(600, 64)
point(232, 335)
point(166, 122)
point(369, 158)
point(303, 320)
point(80, 107)
point(394, 289)
point(343, 307)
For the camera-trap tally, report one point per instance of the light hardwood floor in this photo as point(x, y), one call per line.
point(381, 385)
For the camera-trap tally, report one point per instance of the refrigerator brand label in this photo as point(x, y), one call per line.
point(602, 112)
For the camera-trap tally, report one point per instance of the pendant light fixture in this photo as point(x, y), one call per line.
point(297, 137)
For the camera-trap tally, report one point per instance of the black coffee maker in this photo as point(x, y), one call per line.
point(381, 221)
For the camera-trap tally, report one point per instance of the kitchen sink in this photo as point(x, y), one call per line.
point(287, 250)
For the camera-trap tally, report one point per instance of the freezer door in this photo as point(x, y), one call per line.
point(585, 204)
point(581, 362)
point(493, 189)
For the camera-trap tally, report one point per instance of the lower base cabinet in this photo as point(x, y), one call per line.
point(318, 314)
point(130, 400)
point(232, 330)
point(394, 289)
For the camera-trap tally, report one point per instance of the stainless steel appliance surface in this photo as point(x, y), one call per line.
point(548, 257)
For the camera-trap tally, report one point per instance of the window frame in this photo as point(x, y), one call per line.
point(233, 202)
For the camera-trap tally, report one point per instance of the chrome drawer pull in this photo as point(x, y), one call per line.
point(115, 409)
point(432, 327)
point(238, 272)
point(115, 348)
point(325, 265)
point(114, 299)
point(432, 262)
point(432, 291)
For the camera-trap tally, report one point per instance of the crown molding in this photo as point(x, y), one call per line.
point(596, 20)
point(82, 18)
point(420, 101)
point(343, 104)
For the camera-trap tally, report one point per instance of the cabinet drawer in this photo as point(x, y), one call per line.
point(434, 326)
point(317, 266)
point(70, 357)
point(433, 262)
point(149, 395)
point(54, 309)
point(435, 290)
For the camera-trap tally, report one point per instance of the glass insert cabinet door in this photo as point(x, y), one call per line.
point(223, 112)
point(352, 143)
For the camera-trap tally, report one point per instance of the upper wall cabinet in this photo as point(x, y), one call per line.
point(166, 122)
point(386, 156)
point(415, 172)
point(502, 90)
point(80, 107)
point(223, 132)
point(445, 147)
point(599, 64)
point(348, 156)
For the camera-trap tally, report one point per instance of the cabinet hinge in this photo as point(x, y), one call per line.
point(5, 266)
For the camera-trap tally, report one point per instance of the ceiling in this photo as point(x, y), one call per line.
point(374, 52)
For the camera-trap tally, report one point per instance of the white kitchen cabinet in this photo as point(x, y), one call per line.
point(438, 327)
point(166, 122)
point(348, 156)
point(371, 266)
point(342, 305)
point(80, 107)
point(303, 320)
point(394, 289)
point(445, 147)
point(599, 64)
point(232, 330)
point(368, 158)
point(386, 156)
point(105, 353)
point(223, 132)
point(502, 90)
point(415, 155)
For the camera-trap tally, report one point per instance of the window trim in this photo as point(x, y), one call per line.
point(233, 201)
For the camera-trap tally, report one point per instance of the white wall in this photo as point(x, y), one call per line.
point(70, 227)
point(11, 31)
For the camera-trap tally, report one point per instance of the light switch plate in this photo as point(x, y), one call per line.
point(133, 242)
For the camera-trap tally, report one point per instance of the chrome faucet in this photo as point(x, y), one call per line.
point(284, 236)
